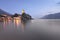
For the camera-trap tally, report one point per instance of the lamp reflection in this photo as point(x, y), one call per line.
point(15, 25)
point(5, 24)
point(17, 22)
point(19, 25)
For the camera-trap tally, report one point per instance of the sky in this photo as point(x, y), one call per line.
point(36, 8)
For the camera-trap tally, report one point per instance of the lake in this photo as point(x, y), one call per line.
point(37, 29)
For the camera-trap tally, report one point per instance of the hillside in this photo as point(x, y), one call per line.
point(4, 12)
point(52, 16)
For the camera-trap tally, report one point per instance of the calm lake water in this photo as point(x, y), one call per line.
point(38, 29)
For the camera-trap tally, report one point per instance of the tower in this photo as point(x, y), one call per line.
point(23, 11)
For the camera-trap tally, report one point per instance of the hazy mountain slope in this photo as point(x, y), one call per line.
point(3, 12)
point(52, 16)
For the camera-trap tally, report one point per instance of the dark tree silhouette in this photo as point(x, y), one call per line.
point(25, 16)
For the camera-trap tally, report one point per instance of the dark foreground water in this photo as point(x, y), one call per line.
point(40, 29)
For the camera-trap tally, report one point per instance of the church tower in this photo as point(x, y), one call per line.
point(23, 11)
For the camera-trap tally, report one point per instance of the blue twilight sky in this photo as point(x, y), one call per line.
point(36, 8)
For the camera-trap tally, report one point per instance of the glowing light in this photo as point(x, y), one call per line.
point(17, 18)
point(23, 11)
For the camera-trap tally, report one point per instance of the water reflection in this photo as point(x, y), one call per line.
point(13, 25)
point(17, 22)
point(23, 25)
point(5, 23)
point(30, 30)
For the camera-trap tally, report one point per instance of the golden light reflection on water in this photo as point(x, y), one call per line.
point(17, 22)
point(14, 25)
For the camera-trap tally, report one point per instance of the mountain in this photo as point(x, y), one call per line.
point(52, 16)
point(4, 12)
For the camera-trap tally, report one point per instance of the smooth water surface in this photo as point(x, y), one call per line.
point(39, 29)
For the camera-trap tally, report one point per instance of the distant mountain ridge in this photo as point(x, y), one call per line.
point(4, 12)
point(52, 16)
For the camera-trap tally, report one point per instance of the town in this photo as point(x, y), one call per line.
point(6, 16)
